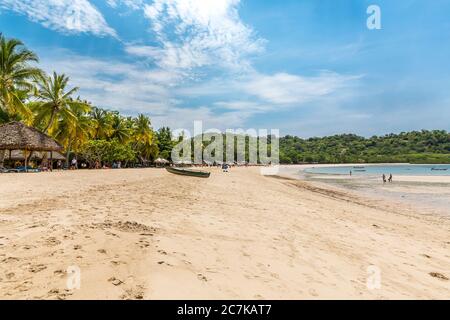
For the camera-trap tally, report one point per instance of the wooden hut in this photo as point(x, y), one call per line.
point(17, 136)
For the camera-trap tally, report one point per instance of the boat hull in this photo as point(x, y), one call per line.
point(189, 173)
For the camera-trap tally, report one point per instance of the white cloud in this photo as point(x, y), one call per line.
point(260, 93)
point(185, 117)
point(133, 4)
point(67, 16)
point(198, 33)
point(284, 88)
point(112, 84)
point(132, 89)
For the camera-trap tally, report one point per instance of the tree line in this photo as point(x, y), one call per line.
point(410, 147)
point(50, 104)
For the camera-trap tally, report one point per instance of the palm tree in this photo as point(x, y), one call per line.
point(102, 123)
point(16, 77)
point(145, 142)
point(55, 103)
point(74, 134)
point(120, 128)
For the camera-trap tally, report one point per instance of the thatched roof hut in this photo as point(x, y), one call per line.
point(17, 136)
point(18, 155)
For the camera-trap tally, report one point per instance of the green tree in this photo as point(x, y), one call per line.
point(121, 128)
point(16, 75)
point(74, 134)
point(145, 143)
point(165, 142)
point(102, 123)
point(55, 102)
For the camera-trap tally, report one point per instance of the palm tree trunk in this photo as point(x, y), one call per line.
point(50, 123)
point(67, 155)
point(2, 157)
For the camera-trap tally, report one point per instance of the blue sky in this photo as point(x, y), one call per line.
point(306, 67)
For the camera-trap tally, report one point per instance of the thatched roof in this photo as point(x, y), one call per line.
point(18, 155)
point(17, 136)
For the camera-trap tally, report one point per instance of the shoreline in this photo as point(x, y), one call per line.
point(424, 193)
point(293, 170)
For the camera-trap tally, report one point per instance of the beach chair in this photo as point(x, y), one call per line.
point(27, 169)
point(7, 170)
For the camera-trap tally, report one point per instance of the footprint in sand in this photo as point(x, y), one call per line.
point(10, 275)
point(60, 295)
point(37, 268)
point(202, 277)
point(24, 286)
point(52, 241)
point(439, 276)
point(59, 272)
point(10, 259)
point(134, 293)
point(143, 243)
point(115, 281)
point(313, 292)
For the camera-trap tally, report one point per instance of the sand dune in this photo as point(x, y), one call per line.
point(146, 234)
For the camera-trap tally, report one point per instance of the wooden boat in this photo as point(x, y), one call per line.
point(358, 167)
point(190, 173)
point(439, 169)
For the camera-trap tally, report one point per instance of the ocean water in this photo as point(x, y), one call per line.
point(407, 170)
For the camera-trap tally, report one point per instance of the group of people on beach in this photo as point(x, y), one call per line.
point(389, 179)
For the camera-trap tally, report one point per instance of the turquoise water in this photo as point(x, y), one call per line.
point(406, 170)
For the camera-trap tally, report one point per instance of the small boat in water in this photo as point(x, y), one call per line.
point(190, 173)
point(358, 167)
point(439, 169)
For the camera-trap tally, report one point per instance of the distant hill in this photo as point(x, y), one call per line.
point(413, 147)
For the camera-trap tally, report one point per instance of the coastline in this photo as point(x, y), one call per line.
point(293, 170)
point(147, 234)
point(428, 194)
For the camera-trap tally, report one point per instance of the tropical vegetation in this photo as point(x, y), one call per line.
point(51, 104)
point(408, 147)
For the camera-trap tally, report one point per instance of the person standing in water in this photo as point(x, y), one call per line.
point(384, 178)
point(390, 177)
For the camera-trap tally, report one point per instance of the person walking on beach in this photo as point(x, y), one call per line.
point(384, 178)
point(225, 167)
point(74, 164)
point(390, 177)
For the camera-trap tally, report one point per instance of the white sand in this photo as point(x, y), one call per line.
point(148, 234)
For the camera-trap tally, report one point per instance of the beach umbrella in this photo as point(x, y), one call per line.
point(17, 136)
point(162, 161)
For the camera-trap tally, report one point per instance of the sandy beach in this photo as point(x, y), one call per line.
point(147, 234)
